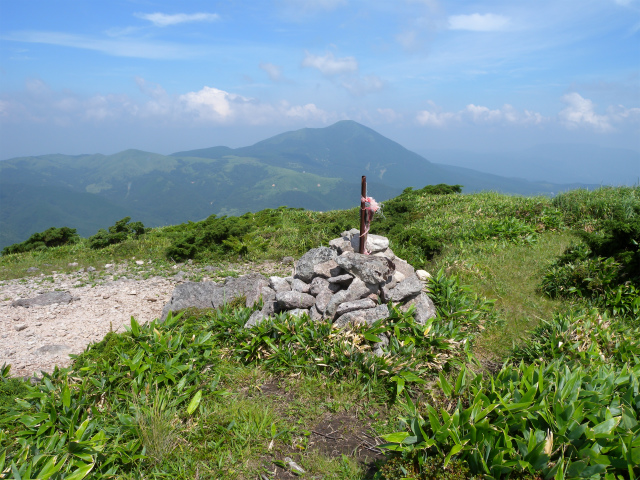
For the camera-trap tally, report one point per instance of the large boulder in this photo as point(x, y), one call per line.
point(249, 286)
point(368, 268)
point(189, 294)
point(293, 300)
point(375, 243)
point(368, 316)
point(424, 307)
point(305, 267)
point(43, 299)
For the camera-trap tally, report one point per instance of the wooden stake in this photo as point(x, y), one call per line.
point(363, 217)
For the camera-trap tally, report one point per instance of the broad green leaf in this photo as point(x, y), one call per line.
point(50, 468)
point(454, 450)
point(372, 338)
point(605, 428)
point(81, 472)
point(397, 437)
point(66, 396)
point(444, 384)
point(135, 327)
point(195, 401)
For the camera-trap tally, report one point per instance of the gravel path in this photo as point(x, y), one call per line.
point(39, 337)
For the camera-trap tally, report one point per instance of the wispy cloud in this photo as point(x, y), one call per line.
point(118, 47)
point(476, 22)
point(359, 86)
point(479, 115)
point(38, 103)
point(165, 20)
point(329, 65)
point(274, 71)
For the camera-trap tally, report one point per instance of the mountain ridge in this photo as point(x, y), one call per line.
point(312, 168)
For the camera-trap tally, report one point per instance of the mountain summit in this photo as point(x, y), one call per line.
point(346, 149)
point(313, 168)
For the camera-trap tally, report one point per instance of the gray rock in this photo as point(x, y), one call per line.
point(249, 286)
point(304, 267)
point(33, 269)
point(316, 316)
point(341, 279)
point(322, 300)
point(398, 276)
point(407, 288)
point(423, 275)
point(211, 268)
point(388, 253)
point(359, 289)
point(44, 299)
point(425, 308)
point(256, 318)
point(403, 267)
point(291, 300)
point(368, 316)
point(288, 260)
point(341, 245)
point(334, 302)
point(269, 303)
point(379, 346)
point(375, 243)
point(20, 327)
point(72, 264)
point(368, 268)
point(279, 284)
point(91, 269)
point(327, 269)
point(318, 284)
point(52, 349)
point(299, 286)
point(361, 304)
point(188, 295)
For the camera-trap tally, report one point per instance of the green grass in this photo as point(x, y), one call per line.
point(202, 397)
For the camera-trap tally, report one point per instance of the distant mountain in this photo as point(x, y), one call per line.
point(557, 163)
point(313, 168)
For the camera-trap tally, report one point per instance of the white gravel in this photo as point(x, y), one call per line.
point(38, 338)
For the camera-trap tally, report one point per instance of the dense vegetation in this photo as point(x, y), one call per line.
point(530, 370)
point(52, 237)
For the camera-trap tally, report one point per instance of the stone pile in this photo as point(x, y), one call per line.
point(329, 283)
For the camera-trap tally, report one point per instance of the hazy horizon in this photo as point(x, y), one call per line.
point(483, 76)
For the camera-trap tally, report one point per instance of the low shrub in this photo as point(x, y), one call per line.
point(117, 233)
point(52, 237)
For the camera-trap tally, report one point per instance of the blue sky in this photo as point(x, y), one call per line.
point(81, 76)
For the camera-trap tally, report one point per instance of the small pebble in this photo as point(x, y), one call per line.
point(20, 327)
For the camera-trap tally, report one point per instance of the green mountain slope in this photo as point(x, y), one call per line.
point(25, 209)
point(313, 168)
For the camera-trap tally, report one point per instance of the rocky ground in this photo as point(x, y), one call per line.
point(90, 303)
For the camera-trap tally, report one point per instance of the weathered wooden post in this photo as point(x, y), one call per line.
point(364, 217)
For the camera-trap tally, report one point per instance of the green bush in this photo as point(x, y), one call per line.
point(117, 233)
point(52, 237)
point(553, 420)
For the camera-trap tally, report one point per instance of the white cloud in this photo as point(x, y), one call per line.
point(38, 103)
point(580, 112)
point(479, 115)
point(435, 119)
point(329, 65)
point(164, 20)
point(118, 47)
point(476, 22)
point(274, 71)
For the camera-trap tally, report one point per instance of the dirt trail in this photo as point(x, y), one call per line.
point(37, 338)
